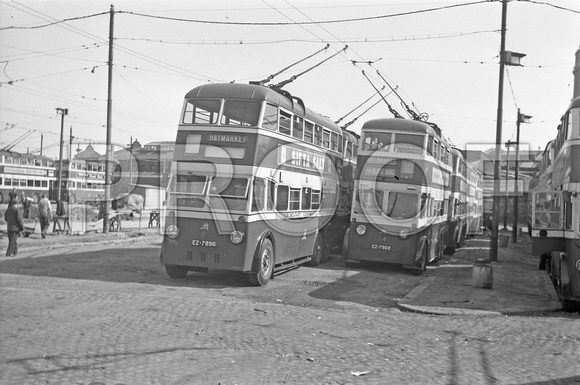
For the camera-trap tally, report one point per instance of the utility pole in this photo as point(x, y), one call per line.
point(496, 165)
point(62, 112)
point(109, 147)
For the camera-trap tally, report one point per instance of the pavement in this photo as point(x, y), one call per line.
point(447, 288)
point(518, 286)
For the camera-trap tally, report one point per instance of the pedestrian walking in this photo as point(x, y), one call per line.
point(14, 225)
point(26, 205)
point(44, 214)
point(12, 197)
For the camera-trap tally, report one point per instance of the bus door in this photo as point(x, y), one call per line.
point(547, 222)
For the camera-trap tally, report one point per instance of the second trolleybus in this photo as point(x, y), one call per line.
point(401, 195)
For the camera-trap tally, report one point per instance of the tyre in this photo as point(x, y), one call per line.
point(265, 266)
point(318, 253)
point(176, 271)
point(423, 262)
point(570, 306)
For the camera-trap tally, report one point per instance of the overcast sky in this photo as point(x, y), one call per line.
point(442, 57)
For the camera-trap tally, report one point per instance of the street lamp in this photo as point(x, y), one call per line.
point(508, 144)
point(522, 118)
point(62, 112)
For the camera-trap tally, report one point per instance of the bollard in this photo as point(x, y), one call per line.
point(504, 240)
point(482, 276)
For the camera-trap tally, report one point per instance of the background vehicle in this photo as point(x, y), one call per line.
point(556, 210)
point(28, 174)
point(402, 186)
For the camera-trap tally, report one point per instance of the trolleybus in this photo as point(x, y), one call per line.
point(81, 180)
point(255, 183)
point(474, 200)
point(400, 203)
point(556, 211)
point(456, 212)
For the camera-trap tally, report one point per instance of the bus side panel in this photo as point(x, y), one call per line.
point(564, 272)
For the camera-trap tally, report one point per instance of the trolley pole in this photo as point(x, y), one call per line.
point(496, 166)
point(109, 148)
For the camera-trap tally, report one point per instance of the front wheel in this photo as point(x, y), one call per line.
point(265, 265)
point(423, 262)
point(176, 271)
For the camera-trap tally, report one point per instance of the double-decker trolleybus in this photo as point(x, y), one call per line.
point(401, 193)
point(556, 211)
point(81, 180)
point(254, 183)
point(474, 200)
point(456, 211)
point(28, 174)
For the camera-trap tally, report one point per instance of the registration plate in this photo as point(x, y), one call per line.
point(197, 242)
point(381, 247)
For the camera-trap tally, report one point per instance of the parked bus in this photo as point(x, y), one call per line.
point(400, 204)
point(457, 210)
point(28, 174)
point(556, 211)
point(474, 201)
point(256, 178)
point(81, 181)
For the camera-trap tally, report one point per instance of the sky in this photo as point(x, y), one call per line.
point(441, 58)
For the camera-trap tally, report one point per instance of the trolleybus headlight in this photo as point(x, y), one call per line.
point(172, 231)
point(578, 265)
point(361, 229)
point(403, 234)
point(237, 237)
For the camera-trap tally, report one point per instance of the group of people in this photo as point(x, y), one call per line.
point(14, 218)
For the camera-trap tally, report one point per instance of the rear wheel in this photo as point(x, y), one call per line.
point(176, 271)
point(265, 265)
point(318, 254)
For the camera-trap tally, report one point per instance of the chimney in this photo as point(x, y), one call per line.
point(576, 72)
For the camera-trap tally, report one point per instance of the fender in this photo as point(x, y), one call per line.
point(261, 238)
point(345, 244)
point(423, 243)
point(564, 277)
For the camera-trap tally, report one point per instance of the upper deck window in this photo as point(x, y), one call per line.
point(240, 113)
point(270, 119)
point(200, 111)
point(285, 123)
point(376, 140)
point(308, 131)
point(298, 129)
point(409, 143)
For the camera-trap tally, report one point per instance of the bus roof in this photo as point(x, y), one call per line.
point(15, 154)
point(575, 103)
point(398, 124)
point(257, 92)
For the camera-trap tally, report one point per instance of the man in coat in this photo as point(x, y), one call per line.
point(14, 225)
point(44, 214)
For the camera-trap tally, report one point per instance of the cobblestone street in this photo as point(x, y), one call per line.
point(63, 331)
